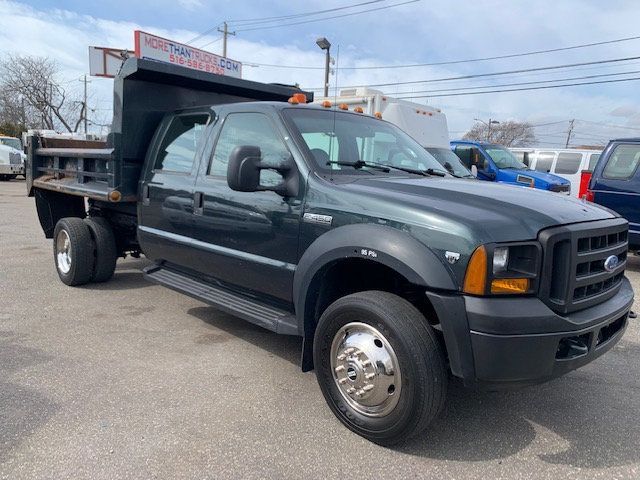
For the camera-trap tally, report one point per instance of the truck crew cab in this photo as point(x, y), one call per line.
point(339, 228)
point(495, 163)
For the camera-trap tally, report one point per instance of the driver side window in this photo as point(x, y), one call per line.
point(249, 129)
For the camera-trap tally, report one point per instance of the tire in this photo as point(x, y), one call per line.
point(73, 251)
point(105, 252)
point(4, 178)
point(380, 327)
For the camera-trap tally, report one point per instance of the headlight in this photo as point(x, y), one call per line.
point(500, 259)
point(503, 269)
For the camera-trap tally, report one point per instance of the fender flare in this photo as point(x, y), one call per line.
point(378, 243)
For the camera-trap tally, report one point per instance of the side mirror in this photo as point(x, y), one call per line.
point(474, 170)
point(245, 165)
point(243, 170)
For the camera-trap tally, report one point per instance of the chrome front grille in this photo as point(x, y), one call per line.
point(15, 159)
point(574, 275)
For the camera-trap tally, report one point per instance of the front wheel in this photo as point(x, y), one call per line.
point(380, 366)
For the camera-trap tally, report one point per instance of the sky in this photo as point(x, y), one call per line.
point(423, 31)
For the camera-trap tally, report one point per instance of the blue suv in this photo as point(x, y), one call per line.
point(495, 163)
point(615, 183)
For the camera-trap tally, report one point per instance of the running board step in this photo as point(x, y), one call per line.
point(266, 316)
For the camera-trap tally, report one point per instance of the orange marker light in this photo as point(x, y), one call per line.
point(115, 196)
point(475, 279)
point(343, 106)
point(326, 104)
point(293, 100)
point(301, 97)
point(378, 115)
point(358, 110)
point(510, 285)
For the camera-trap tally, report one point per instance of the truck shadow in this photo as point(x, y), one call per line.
point(286, 347)
point(128, 276)
point(590, 412)
point(633, 263)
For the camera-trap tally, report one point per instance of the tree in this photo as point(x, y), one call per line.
point(509, 133)
point(32, 95)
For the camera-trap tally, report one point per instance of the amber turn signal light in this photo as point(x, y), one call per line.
point(326, 104)
point(510, 285)
point(475, 279)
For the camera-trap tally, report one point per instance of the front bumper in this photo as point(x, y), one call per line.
point(11, 169)
point(506, 342)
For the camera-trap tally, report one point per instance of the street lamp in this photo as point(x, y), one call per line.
point(324, 44)
point(491, 122)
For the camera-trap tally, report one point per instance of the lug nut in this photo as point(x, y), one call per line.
point(342, 381)
point(341, 357)
point(369, 376)
point(351, 390)
point(339, 368)
point(366, 388)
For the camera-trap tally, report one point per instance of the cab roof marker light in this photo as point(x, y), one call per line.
point(293, 100)
point(378, 115)
point(343, 106)
point(301, 97)
point(358, 110)
point(326, 104)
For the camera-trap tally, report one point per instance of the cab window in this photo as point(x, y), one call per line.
point(593, 160)
point(178, 149)
point(568, 163)
point(253, 129)
point(623, 162)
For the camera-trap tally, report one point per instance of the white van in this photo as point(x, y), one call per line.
point(427, 125)
point(564, 162)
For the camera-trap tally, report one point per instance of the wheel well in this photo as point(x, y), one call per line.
point(52, 206)
point(352, 275)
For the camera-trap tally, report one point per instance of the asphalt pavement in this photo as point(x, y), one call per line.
point(131, 380)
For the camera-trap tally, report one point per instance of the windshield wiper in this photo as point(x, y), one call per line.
point(386, 168)
point(359, 164)
point(437, 173)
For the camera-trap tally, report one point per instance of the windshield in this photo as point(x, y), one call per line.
point(11, 142)
point(503, 158)
point(336, 139)
point(450, 161)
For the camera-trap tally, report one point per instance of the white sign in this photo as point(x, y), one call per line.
point(106, 62)
point(158, 48)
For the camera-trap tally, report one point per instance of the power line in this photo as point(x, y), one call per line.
point(525, 88)
point(609, 125)
point(584, 77)
point(330, 17)
point(453, 62)
point(252, 21)
point(492, 74)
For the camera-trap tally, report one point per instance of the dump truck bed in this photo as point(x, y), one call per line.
point(144, 91)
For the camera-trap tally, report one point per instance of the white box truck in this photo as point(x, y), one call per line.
point(427, 125)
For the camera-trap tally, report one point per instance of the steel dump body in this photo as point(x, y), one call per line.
point(144, 91)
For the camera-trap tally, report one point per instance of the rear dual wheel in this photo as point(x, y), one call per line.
point(84, 250)
point(380, 366)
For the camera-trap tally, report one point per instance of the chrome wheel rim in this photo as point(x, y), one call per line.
point(63, 251)
point(365, 369)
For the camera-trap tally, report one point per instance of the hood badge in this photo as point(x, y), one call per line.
point(452, 257)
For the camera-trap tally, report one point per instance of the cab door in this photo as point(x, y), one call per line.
point(248, 240)
point(165, 209)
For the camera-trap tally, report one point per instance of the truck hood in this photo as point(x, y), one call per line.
point(6, 151)
point(488, 212)
point(511, 175)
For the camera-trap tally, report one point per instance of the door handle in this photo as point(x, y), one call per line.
point(145, 194)
point(198, 203)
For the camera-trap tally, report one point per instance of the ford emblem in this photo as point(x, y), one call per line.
point(611, 263)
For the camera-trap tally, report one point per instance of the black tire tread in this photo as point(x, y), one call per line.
point(105, 251)
point(81, 248)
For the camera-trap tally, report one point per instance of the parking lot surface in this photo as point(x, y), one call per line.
point(131, 380)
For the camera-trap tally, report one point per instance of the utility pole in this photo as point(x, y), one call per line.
point(489, 130)
point(225, 33)
point(84, 103)
point(566, 145)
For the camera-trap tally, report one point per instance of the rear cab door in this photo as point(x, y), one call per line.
point(165, 206)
